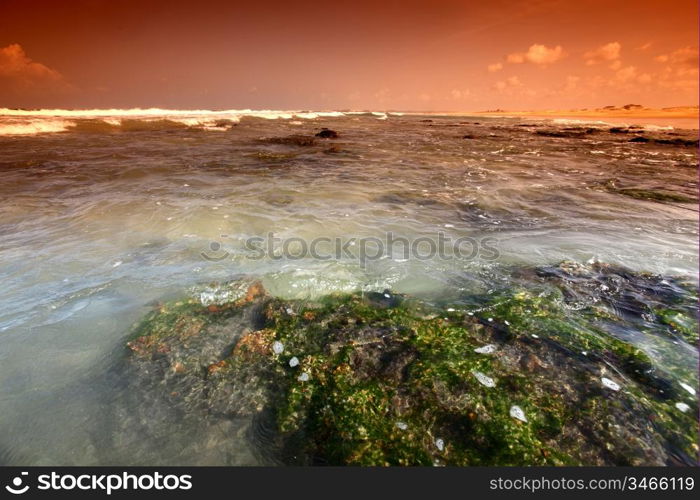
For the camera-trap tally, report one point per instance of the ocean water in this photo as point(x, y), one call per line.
point(104, 213)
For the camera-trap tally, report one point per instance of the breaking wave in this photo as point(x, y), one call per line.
point(46, 121)
point(23, 122)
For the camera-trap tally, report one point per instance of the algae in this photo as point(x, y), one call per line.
point(382, 379)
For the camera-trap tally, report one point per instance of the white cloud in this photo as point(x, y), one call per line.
point(684, 79)
point(513, 81)
point(508, 83)
point(626, 73)
point(516, 58)
point(460, 94)
point(605, 53)
point(495, 67)
point(537, 54)
point(686, 56)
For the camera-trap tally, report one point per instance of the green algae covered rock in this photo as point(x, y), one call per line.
point(516, 377)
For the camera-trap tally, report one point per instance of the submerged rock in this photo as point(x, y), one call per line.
point(693, 143)
point(655, 304)
point(291, 140)
point(406, 197)
point(677, 141)
point(571, 133)
point(648, 194)
point(639, 138)
point(372, 382)
point(383, 299)
point(268, 156)
point(658, 195)
point(327, 133)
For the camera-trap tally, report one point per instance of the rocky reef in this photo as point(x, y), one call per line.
point(540, 373)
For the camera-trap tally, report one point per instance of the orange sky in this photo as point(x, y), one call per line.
point(403, 55)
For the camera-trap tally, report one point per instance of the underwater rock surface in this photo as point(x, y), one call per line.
point(536, 374)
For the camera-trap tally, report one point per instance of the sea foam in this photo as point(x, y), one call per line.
point(44, 121)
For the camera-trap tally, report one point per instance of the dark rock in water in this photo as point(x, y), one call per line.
point(634, 297)
point(375, 378)
point(677, 141)
point(327, 133)
point(291, 140)
point(405, 197)
point(475, 215)
point(580, 130)
point(619, 130)
point(383, 299)
point(278, 200)
point(468, 136)
point(552, 133)
point(662, 196)
point(571, 133)
point(426, 121)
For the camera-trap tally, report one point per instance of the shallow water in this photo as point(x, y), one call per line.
point(102, 218)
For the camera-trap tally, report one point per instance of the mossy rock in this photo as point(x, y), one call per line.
point(681, 321)
point(518, 378)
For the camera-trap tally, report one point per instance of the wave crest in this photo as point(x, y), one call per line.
point(43, 121)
